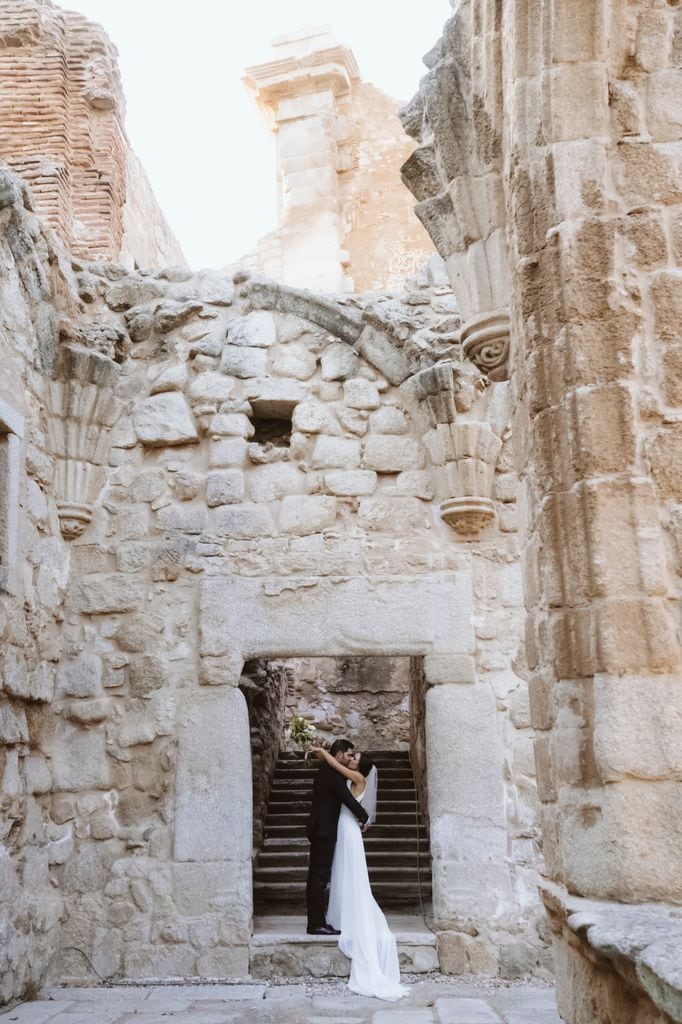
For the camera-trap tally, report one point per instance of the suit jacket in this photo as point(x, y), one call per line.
point(329, 792)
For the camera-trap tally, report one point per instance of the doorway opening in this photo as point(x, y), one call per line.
point(378, 704)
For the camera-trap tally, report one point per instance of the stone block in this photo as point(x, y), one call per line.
point(273, 398)
point(164, 419)
point(15, 678)
point(622, 841)
point(392, 454)
point(224, 671)
point(378, 350)
point(228, 452)
point(132, 291)
point(665, 455)
point(243, 521)
point(664, 98)
point(646, 173)
point(224, 487)
point(403, 1016)
point(462, 954)
point(579, 101)
point(392, 515)
point(466, 1011)
point(672, 374)
point(351, 482)
point(235, 424)
point(108, 593)
point(226, 962)
point(79, 760)
point(141, 960)
point(255, 330)
point(389, 420)
point(303, 514)
point(329, 617)
point(339, 362)
point(213, 819)
point(244, 362)
point(177, 518)
point(449, 668)
point(13, 724)
point(276, 480)
point(294, 361)
point(313, 417)
point(173, 378)
point(638, 727)
point(210, 387)
point(81, 677)
point(336, 453)
point(359, 393)
point(466, 792)
point(135, 556)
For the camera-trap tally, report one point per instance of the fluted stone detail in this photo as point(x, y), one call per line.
point(462, 447)
point(84, 410)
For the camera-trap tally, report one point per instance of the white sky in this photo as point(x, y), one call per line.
point(202, 141)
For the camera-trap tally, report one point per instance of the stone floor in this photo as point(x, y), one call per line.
point(429, 1002)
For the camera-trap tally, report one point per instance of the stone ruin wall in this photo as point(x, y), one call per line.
point(61, 128)
point(548, 175)
point(34, 573)
point(346, 221)
point(192, 548)
point(365, 699)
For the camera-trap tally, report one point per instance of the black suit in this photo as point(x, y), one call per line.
point(329, 792)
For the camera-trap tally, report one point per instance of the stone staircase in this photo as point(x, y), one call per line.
point(397, 845)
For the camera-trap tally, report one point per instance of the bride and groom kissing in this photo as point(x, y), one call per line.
point(343, 806)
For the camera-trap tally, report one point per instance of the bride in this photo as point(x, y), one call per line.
point(365, 936)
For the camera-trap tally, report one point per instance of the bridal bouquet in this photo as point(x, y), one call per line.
point(301, 732)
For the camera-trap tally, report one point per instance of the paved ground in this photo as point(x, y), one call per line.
point(429, 1002)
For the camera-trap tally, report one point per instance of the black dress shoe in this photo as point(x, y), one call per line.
point(332, 931)
point(324, 929)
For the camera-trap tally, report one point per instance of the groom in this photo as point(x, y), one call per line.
point(329, 792)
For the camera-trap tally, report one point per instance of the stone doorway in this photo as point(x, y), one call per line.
point(377, 703)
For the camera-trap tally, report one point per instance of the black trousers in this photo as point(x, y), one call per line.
point(319, 873)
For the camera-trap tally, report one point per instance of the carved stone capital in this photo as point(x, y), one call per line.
point(448, 406)
point(84, 409)
point(485, 341)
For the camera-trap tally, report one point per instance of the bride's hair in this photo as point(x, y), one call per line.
point(365, 765)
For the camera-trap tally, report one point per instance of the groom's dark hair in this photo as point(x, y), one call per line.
point(340, 747)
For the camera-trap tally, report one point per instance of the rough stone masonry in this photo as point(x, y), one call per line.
point(200, 470)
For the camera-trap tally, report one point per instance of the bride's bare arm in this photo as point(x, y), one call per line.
point(356, 777)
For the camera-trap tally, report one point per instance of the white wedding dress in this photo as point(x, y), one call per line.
point(365, 936)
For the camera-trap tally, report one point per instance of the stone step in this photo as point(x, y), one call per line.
point(386, 893)
point(281, 947)
point(297, 830)
point(306, 776)
point(288, 756)
point(297, 873)
point(394, 844)
point(375, 858)
point(295, 816)
point(298, 791)
point(383, 807)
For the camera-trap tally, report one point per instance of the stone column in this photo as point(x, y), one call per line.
point(298, 93)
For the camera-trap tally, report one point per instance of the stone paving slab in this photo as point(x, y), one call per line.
point(465, 1011)
point(439, 1001)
